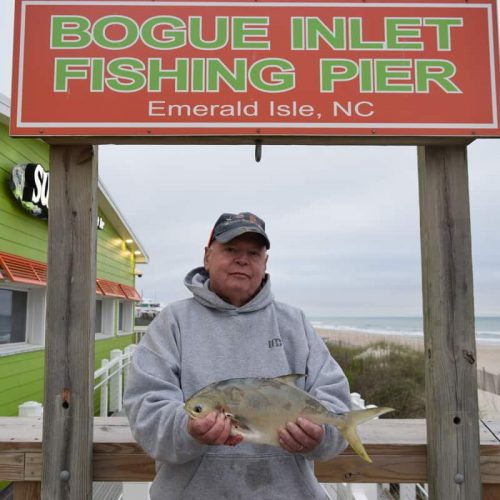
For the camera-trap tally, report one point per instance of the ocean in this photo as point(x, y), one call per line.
point(487, 327)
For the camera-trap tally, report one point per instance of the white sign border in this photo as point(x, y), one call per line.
point(283, 125)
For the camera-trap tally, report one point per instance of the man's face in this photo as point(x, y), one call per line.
point(236, 268)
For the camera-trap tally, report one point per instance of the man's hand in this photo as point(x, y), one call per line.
point(215, 428)
point(302, 436)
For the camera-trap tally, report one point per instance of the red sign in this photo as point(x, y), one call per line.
point(142, 68)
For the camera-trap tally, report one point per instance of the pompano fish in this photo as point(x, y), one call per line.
point(258, 407)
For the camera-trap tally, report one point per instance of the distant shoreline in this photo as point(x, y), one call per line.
point(488, 351)
point(353, 333)
point(488, 357)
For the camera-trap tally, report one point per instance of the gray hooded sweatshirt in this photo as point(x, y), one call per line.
point(201, 340)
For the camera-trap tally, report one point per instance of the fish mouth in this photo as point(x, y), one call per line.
point(191, 413)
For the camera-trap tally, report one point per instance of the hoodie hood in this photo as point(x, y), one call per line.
point(198, 282)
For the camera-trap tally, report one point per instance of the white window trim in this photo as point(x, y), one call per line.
point(19, 348)
point(35, 320)
point(128, 317)
point(108, 319)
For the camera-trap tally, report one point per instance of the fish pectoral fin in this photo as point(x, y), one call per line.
point(238, 422)
point(240, 428)
point(250, 435)
point(290, 379)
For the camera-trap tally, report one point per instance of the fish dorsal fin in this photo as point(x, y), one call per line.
point(290, 379)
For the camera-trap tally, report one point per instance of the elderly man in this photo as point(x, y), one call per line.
point(231, 327)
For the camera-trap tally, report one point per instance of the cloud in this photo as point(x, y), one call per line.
point(333, 226)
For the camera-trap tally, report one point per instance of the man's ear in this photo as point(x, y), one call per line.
point(205, 257)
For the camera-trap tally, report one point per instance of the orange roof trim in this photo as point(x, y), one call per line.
point(131, 293)
point(22, 270)
point(31, 272)
point(111, 289)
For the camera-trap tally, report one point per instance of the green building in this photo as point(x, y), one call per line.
point(24, 179)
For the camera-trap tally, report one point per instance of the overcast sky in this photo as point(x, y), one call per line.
point(343, 221)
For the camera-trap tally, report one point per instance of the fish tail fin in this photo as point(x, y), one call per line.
point(348, 427)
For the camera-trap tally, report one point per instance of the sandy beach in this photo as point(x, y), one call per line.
point(488, 353)
point(488, 357)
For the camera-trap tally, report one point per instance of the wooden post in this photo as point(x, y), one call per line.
point(69, 353)
point(448, 304)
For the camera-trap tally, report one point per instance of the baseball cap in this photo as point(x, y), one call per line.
point(229, 226)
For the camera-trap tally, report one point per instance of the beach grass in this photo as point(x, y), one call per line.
point(385, 374)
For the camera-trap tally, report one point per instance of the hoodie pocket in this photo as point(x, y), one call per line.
point(266, 477)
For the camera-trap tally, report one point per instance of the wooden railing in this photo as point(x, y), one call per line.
point(398, 449)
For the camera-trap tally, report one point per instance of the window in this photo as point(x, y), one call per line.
point(98, 316)
point(120, 317)
point(125, 317)
point(13, 312)
point(104, 317)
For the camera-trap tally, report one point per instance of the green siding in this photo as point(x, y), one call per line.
point(109, 247)
point(21, 379)
point(20, 233)
point(105, 346)
point(26, 236)
point(21, 375)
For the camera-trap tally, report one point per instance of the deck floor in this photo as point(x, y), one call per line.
point(100, 491)
point(106, 491)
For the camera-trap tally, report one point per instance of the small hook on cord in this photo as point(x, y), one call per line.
point(258, 150)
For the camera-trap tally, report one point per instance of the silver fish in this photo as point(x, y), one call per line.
point(258, 407)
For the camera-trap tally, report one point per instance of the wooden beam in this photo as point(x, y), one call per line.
point(453, 465)
point(397, 447)
point(491, 491)
point(234, 140)
point(69, 352)
point(29, 490)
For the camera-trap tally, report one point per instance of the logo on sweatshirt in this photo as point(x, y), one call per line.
point(275, 343)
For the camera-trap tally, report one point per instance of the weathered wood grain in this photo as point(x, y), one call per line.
point(449, 337)
point(28, 490)
point(407, 467)
point(491, 491)
point(33, 467)
point(12, 466)
point(349, 468)
point(398, 449)
point(121, 465)
point(69, 352)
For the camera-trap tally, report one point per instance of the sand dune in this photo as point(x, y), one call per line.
point(488, 353)
point(488, 358)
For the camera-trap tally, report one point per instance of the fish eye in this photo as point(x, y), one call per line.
point(198, 409)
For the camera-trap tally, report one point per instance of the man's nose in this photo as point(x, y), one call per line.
point(242, 258)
